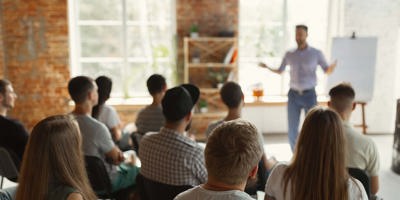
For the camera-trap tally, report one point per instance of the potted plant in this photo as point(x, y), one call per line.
point(218, 77)
point(203, 107)
point(194, 31)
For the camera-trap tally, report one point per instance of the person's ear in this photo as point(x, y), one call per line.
point(188, 117)
point(353, 106)
point(329, 104)
point(253, 172)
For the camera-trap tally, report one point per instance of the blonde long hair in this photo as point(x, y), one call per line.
point(318, 169)
point(53, 154)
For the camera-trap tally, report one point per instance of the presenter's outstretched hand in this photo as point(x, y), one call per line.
point(331, 67)
point(263, 65)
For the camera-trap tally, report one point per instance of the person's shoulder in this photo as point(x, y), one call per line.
point(91, 122)
point(75, 196)
point(188, 194)
point(314, 50)
point(108, 108)
point(356, 189)
point(279, 169)
point(13, 124)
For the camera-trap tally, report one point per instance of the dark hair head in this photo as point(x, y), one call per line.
point(342, 97)
point(302, 26)
point(104, 85)
point(79, 87)
point(155, 83)
point(3, 84)
point(231, 94)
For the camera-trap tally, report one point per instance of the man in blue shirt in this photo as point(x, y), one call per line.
point(303, 63)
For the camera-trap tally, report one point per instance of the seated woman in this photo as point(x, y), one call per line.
point(105, 113)
point(318, 169)
point(53, 163)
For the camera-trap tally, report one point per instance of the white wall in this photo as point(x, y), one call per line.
point(380, 18)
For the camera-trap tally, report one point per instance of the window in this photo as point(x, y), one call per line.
point(267, 31)
point(127, 40)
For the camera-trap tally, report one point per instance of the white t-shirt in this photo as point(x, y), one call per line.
point(275, 186)
point(199, 193)
point(109, 116)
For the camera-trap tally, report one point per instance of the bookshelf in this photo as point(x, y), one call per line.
point(210, 62)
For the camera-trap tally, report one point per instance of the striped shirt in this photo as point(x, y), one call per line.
point(150, 119)
point(172, 158)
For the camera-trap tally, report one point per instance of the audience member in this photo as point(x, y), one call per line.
point(170, 157)
point(105, 113)
point(151, 118)
point(53, 165)
point(13, 135)
point(362, 151)
point(232, 154)
point(232, 96)
point(96, 138)
point(318, 169)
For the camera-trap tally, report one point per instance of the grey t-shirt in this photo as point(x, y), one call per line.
point(199, 193)
point(96, 140)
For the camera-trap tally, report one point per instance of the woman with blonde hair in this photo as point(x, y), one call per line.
point(318, 168)
point(53, 163)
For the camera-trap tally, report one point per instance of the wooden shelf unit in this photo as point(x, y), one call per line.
point(212, 52)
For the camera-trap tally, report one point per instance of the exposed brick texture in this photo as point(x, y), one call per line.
point(35, 41)
point(211, 16)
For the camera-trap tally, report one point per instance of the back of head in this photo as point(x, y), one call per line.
point(319, 158)
point(231, 94)
point(53, 154)
point(179, 102)
point(104, 86)
point(3, 85)
point(342, 97)
point(79, 88)
point(156, 84)
point(233, 150)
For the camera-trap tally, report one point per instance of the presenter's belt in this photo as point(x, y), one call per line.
point(301, 92)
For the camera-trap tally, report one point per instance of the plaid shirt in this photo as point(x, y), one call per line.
point(171, 158)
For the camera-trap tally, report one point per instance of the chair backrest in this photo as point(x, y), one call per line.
point(98, 176)
point(7, 165)
point(152, 190)
point(360, 175)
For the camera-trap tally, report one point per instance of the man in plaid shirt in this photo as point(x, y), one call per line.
point(171, 157)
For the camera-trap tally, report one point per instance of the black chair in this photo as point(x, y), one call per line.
point(360, 175)
point(100, 181)
point(152, 190)
point(7, 166)
point(259, 184)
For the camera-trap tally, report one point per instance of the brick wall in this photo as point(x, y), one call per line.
point(2, 65)
point(35, 40)
point(211, 16)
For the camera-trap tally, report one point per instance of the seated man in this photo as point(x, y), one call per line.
point(95, 136)
point(151, 119)
point(171, 157)
point(233, 98)
point(362, 151)
point(13, 135)
point(232, 154)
